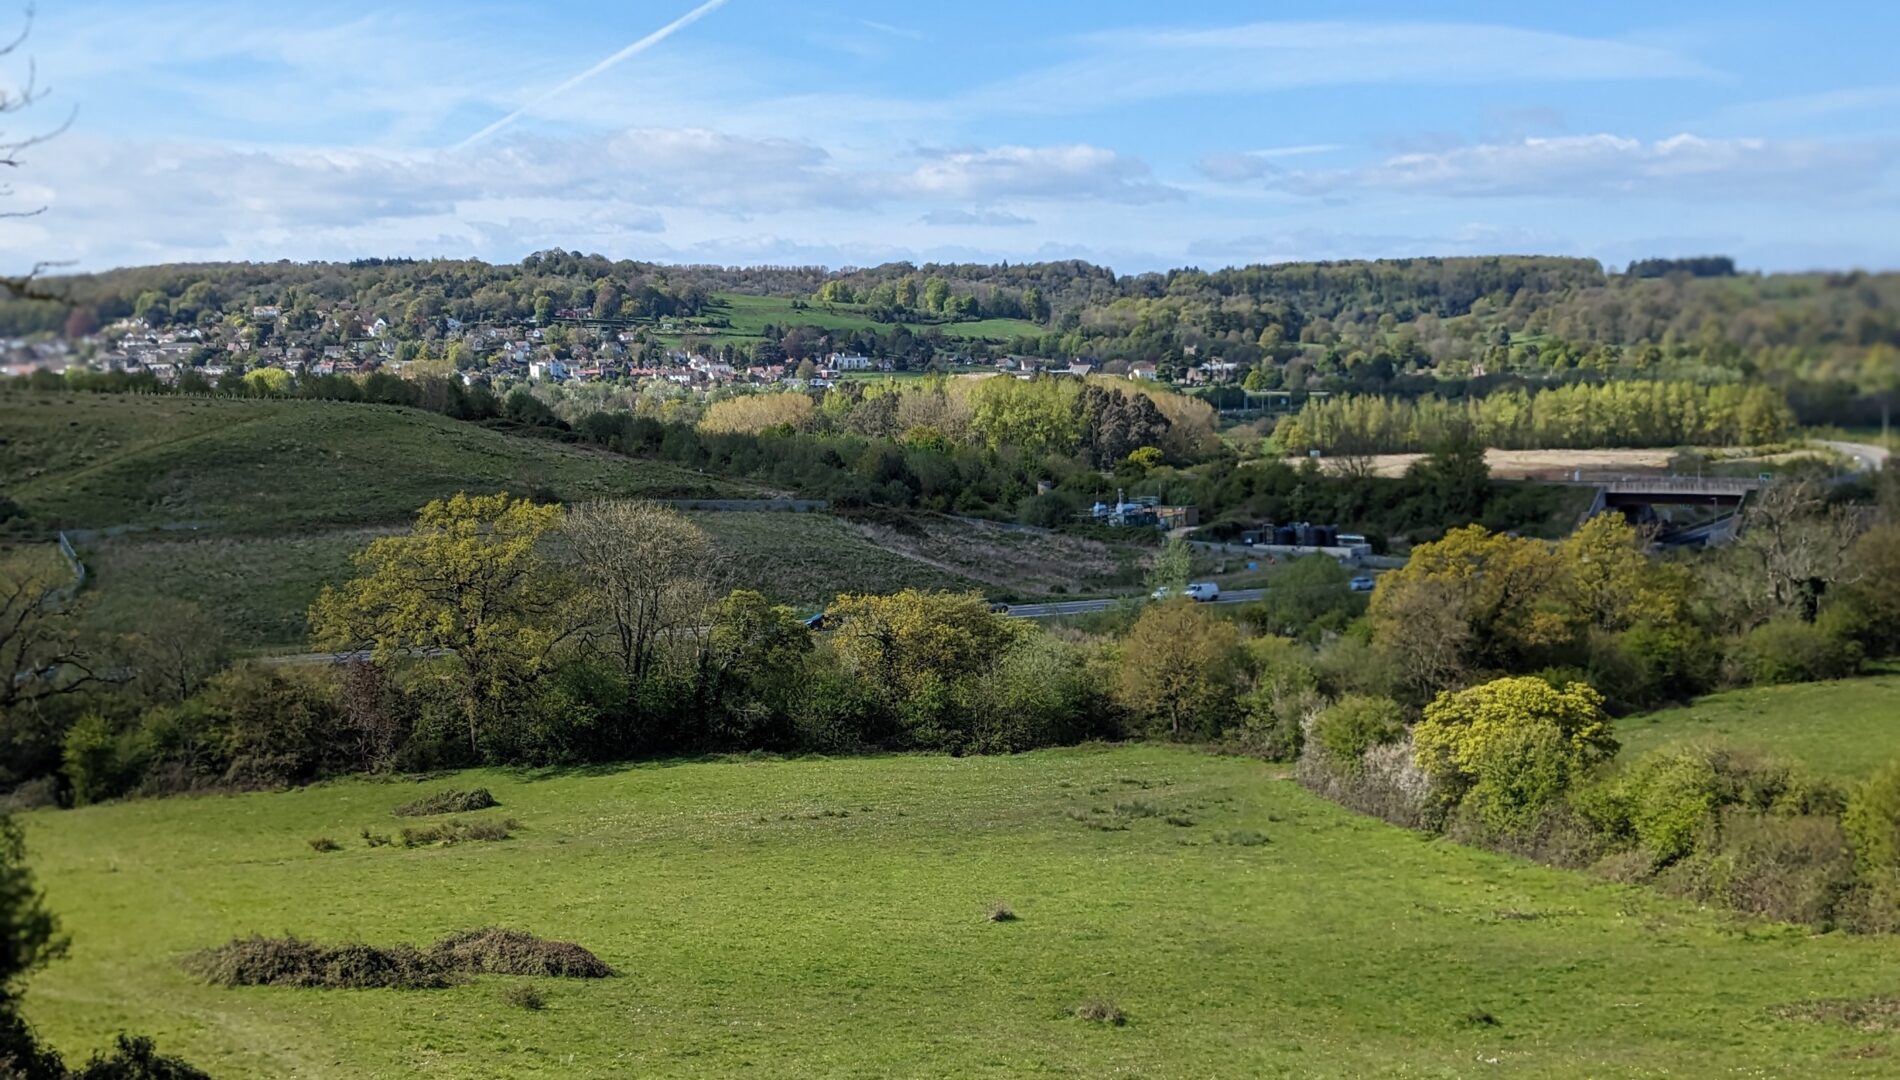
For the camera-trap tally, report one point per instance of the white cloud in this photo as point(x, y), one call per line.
point(1611, 166)
point(1060, 172)
point(119, 201)
point(1234, 167)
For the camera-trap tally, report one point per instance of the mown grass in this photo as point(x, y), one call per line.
point(91, 461)
point(829, 918)
point(1844, 729)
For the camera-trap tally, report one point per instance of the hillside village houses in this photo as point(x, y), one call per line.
point(575, 348)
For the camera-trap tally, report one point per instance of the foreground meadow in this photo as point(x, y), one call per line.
point(828, 918)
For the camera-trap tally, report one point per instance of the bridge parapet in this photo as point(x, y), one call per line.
point(1712, 487)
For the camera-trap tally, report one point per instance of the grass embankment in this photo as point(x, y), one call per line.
point(830, 918)
point(1844, 729)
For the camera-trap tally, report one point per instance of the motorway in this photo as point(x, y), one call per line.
point(1084, 607)
point(1866, 456)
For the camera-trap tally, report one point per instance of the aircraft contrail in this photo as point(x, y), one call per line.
point(627, 53)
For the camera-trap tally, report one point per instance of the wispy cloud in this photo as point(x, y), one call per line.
point(893, 31)
point(1883, 99)
point(618, 58)
point(1235, 167)
point(975, 217)
point(1121, 66)
point(1612, 166)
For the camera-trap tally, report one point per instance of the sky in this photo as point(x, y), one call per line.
point(1138, 135)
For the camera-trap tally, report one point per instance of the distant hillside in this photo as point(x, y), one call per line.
point(97, 461)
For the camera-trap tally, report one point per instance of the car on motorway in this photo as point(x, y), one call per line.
point(997, 607)
point(817, 622)
point(1362, 583)
point(1203, 591)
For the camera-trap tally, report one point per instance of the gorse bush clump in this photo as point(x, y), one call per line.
point(291, 961)
point(1101, 1012)
point(458, 831)
point(496, 950)
point(447, 802)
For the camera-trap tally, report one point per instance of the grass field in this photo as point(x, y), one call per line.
point(827, 918)
point(1843, 729)
point(92, 461)
point(749, 315)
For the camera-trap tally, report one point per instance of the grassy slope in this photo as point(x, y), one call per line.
point(756, 935)
point(750, 314)
point(283, 492)
point(94, 461)
point(1844, 729)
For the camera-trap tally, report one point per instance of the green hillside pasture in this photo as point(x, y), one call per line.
point(1844, 729)
point(750, 315)
point(828, 918)
point(260, 587)
point(106, 460)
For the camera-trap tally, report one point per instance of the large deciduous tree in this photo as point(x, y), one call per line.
point(647, 575)
point(469, 583)
point(1179, 668)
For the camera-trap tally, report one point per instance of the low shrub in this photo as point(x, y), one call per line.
point(136, 1057)
point(1789, 650)
point(1872, 821)
point(458, 831)
point(289, 961)
point(1388, 784)
point(495, 950)
point(324, 843)
point(1355, 724)
point(1791, 868)
point(447, 802)
point(1001, 912)
point(1871, 1014)
point(1668, 802)
point(525, 996)
point(1101, 1012)
point(375, 839)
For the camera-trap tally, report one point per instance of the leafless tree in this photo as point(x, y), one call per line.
point(41, 656)
point(13, 144)
point(649, 575)
point(1792, 548)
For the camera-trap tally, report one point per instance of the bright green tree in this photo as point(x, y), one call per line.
point(469, 584)
point(1179, 666)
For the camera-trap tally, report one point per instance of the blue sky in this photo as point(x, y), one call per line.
point(839, 132)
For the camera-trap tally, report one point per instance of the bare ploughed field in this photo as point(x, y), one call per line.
point(1540, 464)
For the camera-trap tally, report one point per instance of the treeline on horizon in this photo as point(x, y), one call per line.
point(1825, 338)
